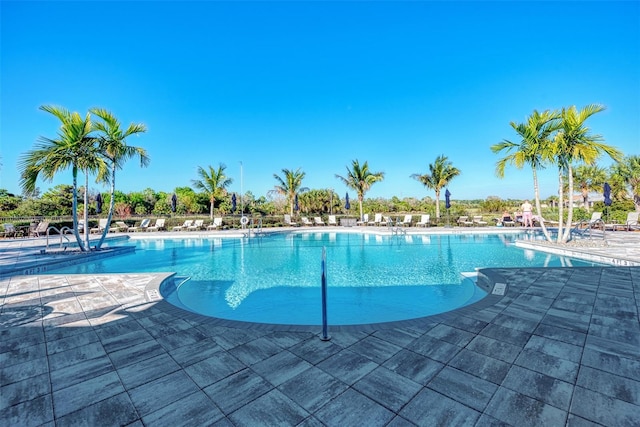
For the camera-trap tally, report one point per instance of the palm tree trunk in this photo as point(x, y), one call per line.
point(360, 198)
point(567, 232)
point(75, 209)
point(86, 210)
point(560, 205)
point(111, 206)
point(213, 200)
point(536, 194)
point(437, 203)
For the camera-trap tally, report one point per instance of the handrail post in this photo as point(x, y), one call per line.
point(325, 336)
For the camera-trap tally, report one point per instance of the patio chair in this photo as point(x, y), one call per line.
point(377, 219)
point(143, 226)
point(287, 221)
point(630, 224)
point(102, 224)
point(425, 221)
point(198, 224)
point(332, 220)
point(365, 220)
point(464, 221)
point(305, 221)
point(187, 224)
point(40, 229)
point(477, 220)
point(159, 225)
point(406, 222)
point(9, 230)
point(121, 225)
point(318, 221)
point(217, 223)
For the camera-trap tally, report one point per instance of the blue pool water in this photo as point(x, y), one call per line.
point(276, 278)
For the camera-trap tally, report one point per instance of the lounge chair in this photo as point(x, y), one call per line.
point(596, 220)
point(159, 225)
point(80, 228)
point(386, 220)
point(143, 226)
point(9, 230)
point(305, 221)
point(187, 224)
point(198, 224)
point(464, 221)
point(318, 221)
point(377, 219)
point(365, 220)
point(630, 224)
point(425, 221)
point(287, 221)
point(217, 223)
point(40, 229)
point(477, 220)
point(332, 220)
point(121, 225)
point(406, 222)
point(102, 224)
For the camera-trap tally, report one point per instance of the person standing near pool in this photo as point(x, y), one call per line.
point(527, 218)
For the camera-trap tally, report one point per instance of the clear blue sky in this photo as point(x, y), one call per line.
point(314, 85)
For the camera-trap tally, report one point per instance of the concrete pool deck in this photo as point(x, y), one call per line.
point(561, 347)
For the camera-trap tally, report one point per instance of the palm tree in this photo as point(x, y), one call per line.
point(114, 148)
point(289, 185)
point(629, 170)
point(441, 172)
point(360, 179)
point(214, 183)
point(532, 149)
point(590, 179)
point(74, 148)
point(575, 143)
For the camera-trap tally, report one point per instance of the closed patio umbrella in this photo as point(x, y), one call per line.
point(234, 202)
point(174, 202)
point(606, 192)
point(99, 203)
point(296, 207)
point(347, 205)
point(447, 199)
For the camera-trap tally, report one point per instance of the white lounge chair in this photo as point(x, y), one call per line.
point(464, 221)
point(198, 224)
point(318, 221)
point(122, 226)
point(406, 222)
point(159, 225)
point(102, 224)
point(143, 226)
point(377, 219)
point(287, 221)
point(630, 224)
point(40, 229)
point(305, 221)
point(187, 224)
point(477, 220)
point(332, 220)
point(217, 223)
point(425, 221)
point(365, 220)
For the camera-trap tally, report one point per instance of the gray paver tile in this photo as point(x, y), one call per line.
point(213, 369)
point(398, 336)
point(612, 363)
point(430, 408)
point(481, 366)
point(136, 353)
point(414, 366)
point(235, 391)
point(539, 386)
point(561, 334)
point(610, 385)
point(75, 355)
point(312, 389)
point(116, 410)
point(463, 387)
point(147, 370)
point(504, 334)
point(154, 395)
point(519, 410)
point(23, 354)
point(555, 348)
point(387, 388)
point(81, 371)
point(34, 412)
point(24, 390)
point(348, 366)
point(614, 347)
point(553, 366)
point(604, 410)
point(451, 335)
point(352, 408)
point(315, 350)
point(273, 408)
point(78, 396)
point(73, 341)
point(196, 352)
point(193, 410)
point(494, 348)
point(281, 367)
point(375, 349)
point(255, 351)
point(22, 371)
point(434, 348)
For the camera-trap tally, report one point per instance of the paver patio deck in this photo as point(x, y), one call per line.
point(562, 347)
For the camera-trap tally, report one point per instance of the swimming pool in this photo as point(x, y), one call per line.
point(371, 278)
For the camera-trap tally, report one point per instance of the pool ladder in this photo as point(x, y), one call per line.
point(396, 230)
point(255, 226)
point(588, 229)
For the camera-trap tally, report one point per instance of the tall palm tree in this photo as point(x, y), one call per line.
point(532, 149)
point(113, 144)
point(73, 148)
point(441, 172)
point(360, 179)
point(574, 143)
point(589, 179)
point(629, 170)
point(289, 184)
point(214, 183)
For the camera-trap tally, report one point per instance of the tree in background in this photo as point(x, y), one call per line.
point(113, 146)
point(589, 179)
point(574, 144)
point(360, 179)
point(629, 170)
point(289, 185)
point(214, 183)
point(441, 172)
